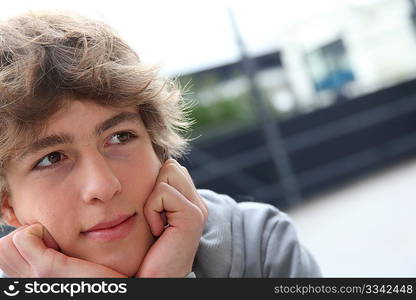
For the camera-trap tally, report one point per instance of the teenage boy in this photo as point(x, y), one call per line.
point(88, 134)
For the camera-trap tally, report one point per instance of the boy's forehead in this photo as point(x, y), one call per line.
point(76, 111)
point(78, 108)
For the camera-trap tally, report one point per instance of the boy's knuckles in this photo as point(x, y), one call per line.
point(18, 237)
point(202, 214)
point(201, 217)
point(170, 174)
point(201, 204)
point(205, 212)
point(173, 166)
point(163, 186)
point(21, 237)
point(197, 214)
point(153, 200)
point(171, 161)
point(161, 190)
point(169, 165)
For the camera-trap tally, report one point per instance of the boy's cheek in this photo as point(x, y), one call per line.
point(22, 218)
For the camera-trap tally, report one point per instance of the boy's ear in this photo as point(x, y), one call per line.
point(7, 211)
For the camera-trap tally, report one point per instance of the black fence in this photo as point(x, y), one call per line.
point(326, 147)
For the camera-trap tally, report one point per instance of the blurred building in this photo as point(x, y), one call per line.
point(356, 50)
point(223, 95)
point(342, 87)
point(362, 47)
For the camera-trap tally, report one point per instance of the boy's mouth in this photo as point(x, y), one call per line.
point(108, 231)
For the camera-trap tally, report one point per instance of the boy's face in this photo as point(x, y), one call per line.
point(98, 166)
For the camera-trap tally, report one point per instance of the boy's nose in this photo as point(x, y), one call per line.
point(98, 181)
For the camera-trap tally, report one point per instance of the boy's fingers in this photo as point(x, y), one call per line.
point(200, 201)
point(178, 177)
point(11, 261)
point(30, 244)
point(44, 261)
point(190, 179)
point(166, 198)
point(172, 174)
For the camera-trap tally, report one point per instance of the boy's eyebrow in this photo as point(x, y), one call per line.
point(115, 120)
point(46, 142)
point(63, 138)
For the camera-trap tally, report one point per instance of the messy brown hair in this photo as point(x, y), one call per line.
point(48, 59)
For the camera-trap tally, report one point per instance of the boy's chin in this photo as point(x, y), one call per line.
point(124, 257)
point(127, 264)
point(127, 261)
point(128, 271)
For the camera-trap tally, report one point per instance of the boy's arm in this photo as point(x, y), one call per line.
point(175, 199)
point(277, 246)
point(24, 253)
point(293, 257)
point(250, 239)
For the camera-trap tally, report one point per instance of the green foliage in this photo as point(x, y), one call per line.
point(223, 115)
point(220, 114)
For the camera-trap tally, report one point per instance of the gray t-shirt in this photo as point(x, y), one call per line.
point(250, 239)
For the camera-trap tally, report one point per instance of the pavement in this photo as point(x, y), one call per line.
point(365, 228)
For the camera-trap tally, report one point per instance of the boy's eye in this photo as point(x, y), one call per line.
point(121, 137)
point(50, 159)
point(55, 157)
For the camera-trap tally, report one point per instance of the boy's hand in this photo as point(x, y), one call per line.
point(174, 201)
point(30, 251)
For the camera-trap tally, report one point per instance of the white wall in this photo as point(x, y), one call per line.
point(379, 38)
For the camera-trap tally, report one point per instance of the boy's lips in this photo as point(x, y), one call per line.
point(111, 230)
point(108, 224)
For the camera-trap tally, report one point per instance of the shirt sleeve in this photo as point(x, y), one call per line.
point(284, 254)
point(272, 246)
point(190, 275)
